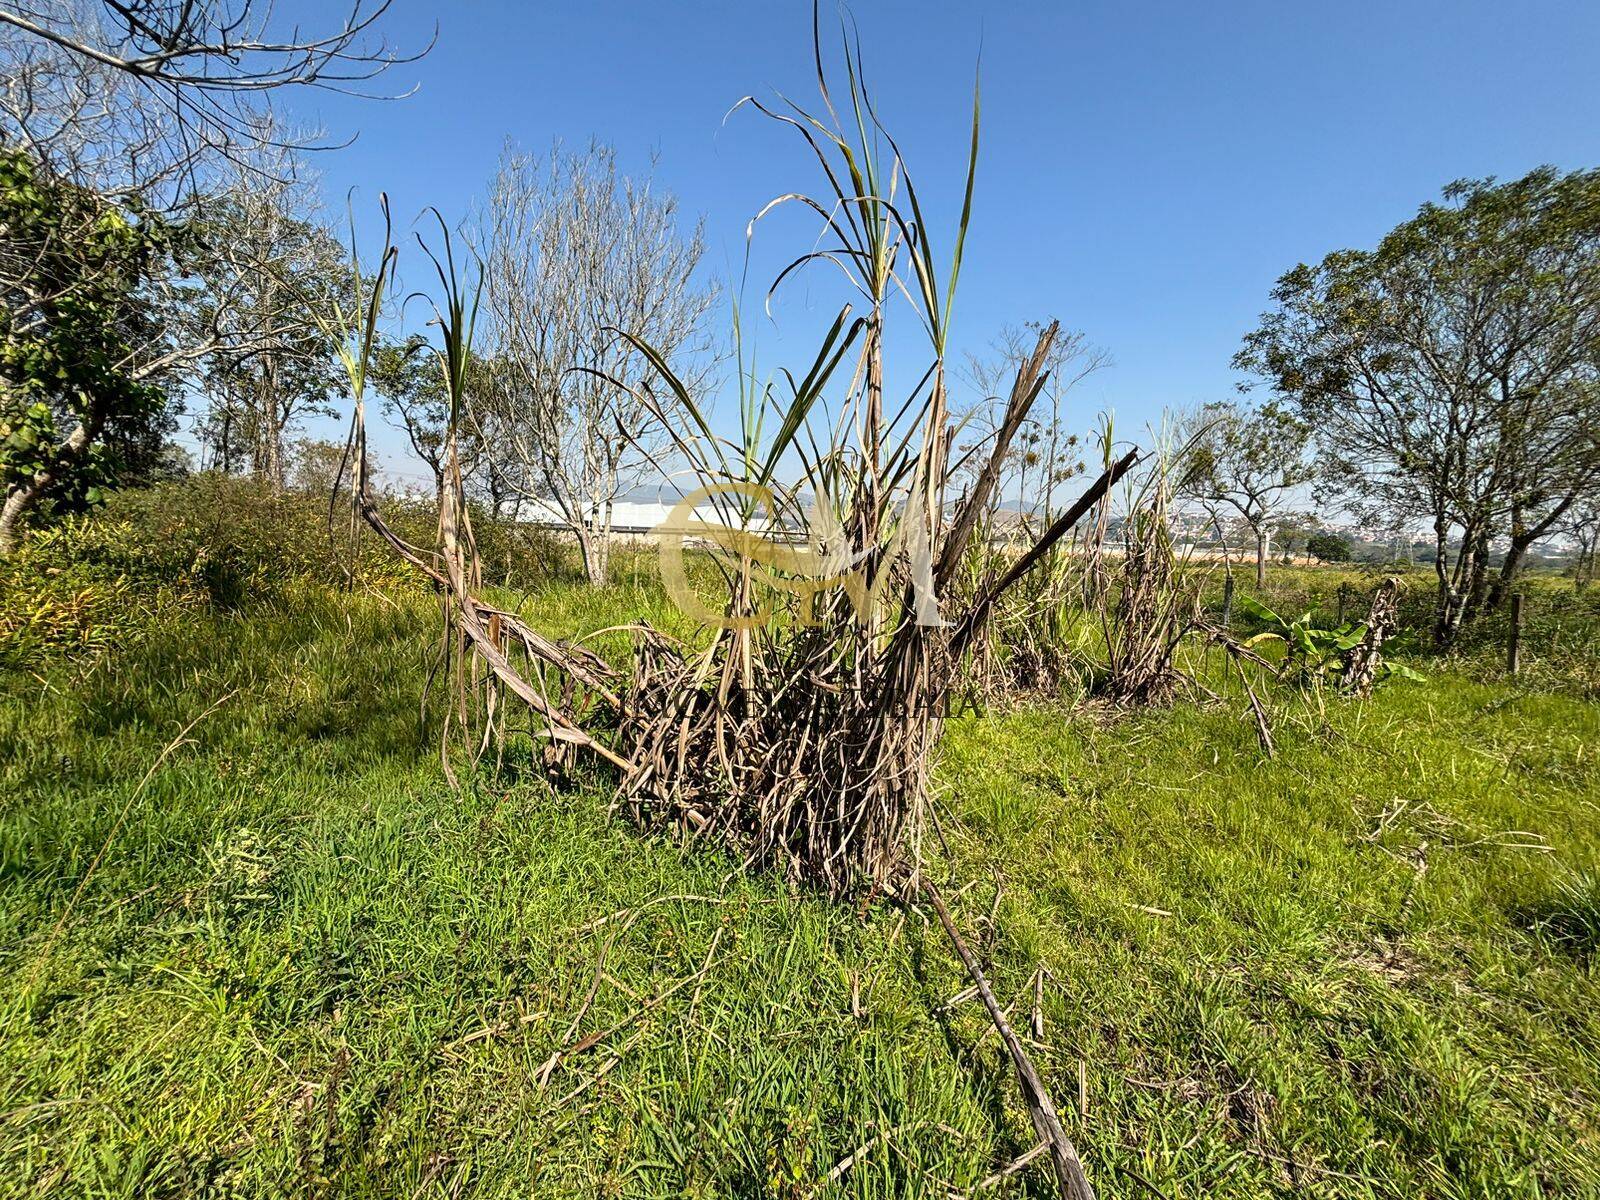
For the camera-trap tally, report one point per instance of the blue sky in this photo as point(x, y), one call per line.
point(1147, 170)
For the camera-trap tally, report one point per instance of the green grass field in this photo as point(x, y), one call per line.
point(278, 955)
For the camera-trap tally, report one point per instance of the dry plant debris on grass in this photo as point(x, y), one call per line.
point(800, 738)
point(280, 978)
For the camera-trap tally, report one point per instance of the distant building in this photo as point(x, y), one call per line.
point(636, 518)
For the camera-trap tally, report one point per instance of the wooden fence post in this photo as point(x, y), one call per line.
point(1227, 599)
point(1514, 640)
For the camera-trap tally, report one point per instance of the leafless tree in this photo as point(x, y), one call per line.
point(150, 96)
point(581, 264)
point(1248, 461)
point(1583, 525)
point(1044, 452)
point(84, 122)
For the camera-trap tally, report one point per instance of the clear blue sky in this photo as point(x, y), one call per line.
point(1147, 170)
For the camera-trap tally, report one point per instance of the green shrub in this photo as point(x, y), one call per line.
point(1561, 625)
point(219, 542)
point(1328, 547)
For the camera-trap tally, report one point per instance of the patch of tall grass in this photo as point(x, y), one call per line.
point(150, 557)
point(304, 965)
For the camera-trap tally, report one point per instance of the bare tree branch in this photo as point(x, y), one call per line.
point(151, 97)
point(574, 255)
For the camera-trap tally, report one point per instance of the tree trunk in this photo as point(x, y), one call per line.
point(1509, 571)
point(597, 556)
point(586, 550)
point(1522, 540)
point(1445, 604)
point(1478, 577)
point(18, 500)
point(275, 465)
point(1462, 589)
point(1263, 545)
point(23, 496)
point(269, 428)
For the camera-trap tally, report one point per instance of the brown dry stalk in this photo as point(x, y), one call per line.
point(1041, 1110)
point(973, 623)
point(805, 746)
point(1239, 654)
point(473, 617)
point(802, 746)
point(803, 734)
point(1366, 659)
point(1155, 607)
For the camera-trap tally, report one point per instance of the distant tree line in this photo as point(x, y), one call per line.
point(1449, 378)
point(161, 244)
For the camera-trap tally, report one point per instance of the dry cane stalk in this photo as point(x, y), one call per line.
point(806, 747)
point(1366, 660)
point(1063, 1154)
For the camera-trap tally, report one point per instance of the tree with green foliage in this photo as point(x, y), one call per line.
point(1248, 460)
point(82, 353)
point(1453, 374)
point(1292, 531)
point(266, 266)
point(1329, 547)
point(407, 375)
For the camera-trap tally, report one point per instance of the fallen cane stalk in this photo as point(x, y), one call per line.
point(1063, 1155)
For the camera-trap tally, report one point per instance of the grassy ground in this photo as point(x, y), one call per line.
point(279, 956)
